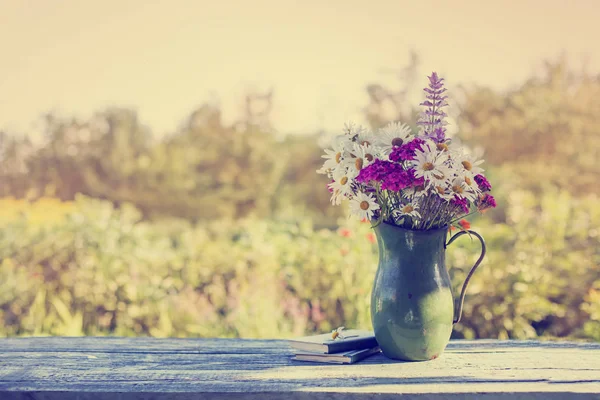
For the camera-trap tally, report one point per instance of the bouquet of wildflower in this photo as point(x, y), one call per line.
point(417, 181)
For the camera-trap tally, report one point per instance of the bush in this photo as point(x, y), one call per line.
point(88, 268)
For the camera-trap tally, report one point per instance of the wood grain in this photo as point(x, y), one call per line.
point(52, 368)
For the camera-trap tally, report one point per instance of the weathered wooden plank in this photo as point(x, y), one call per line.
point(524, 393)
point(127, 368)
point(140, 345)
point(109, 344)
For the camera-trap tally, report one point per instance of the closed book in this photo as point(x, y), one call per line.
point(354, 339)
point(347, 357)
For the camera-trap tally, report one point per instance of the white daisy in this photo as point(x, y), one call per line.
point(470, 163)
point(428, 163)
point(365, 138)
point(471, 184)
point(393, 134)
point(342, 141)
point(353, 131)
point(447, 150)
point(336, 194)
point(361, 156)
point(335, 156)
point(341, 187)
point(407, 210)
point(363, 206)
point(443, 191)
point(332, 159)
point(454, 146)
point(442, 176)
point(345, 173)
point(459, 188)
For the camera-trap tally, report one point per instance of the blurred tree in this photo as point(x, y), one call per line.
point(546, 132)
point(214, 170)
point(14, 153)
point(98, 157)
point(206, 169)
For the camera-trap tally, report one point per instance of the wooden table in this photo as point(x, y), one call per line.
point(145, 368)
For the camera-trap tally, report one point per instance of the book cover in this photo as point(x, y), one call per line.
point(354, 339)
point(348, 357)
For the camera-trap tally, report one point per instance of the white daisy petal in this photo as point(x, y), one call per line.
point(363, 205)
point(361, 156)
point(460, 189)
point(407, 210)
point(393, 134)
point(468, 164)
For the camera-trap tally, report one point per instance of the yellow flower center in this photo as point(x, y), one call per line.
point(457, 189)
point(467, 165)
point(364, 205)
point(468, 180)
point(358, 163)
point(397, 142)
point(407, 209)
point(428, 166)
point(439, 176)
point(440, 189)
point(442, 147)
point(338, 157)
point(369, 157)
point(344, 180)
point(365, 143)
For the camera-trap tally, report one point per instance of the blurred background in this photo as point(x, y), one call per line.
point(158, 158)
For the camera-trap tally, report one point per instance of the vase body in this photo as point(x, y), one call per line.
point(412, 307)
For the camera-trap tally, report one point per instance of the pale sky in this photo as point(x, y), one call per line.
point(164, 58)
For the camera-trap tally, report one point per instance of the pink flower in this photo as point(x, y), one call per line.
point(345, 232)
point(483, 183)
point(371, 237)
point(486, 202)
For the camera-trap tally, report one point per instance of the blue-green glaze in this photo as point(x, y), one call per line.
point(412, 308)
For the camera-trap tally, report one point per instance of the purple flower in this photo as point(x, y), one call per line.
point(483, 183)
point(432, 119)
point(401, 179)
point(390, 175)
point(485, 202)
point(406, 152)
point(461, 203)
point(376, 171)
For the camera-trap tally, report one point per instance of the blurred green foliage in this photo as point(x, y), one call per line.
point(101, 270)
point(226, 230)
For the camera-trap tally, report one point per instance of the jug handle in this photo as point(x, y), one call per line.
point(461, 299)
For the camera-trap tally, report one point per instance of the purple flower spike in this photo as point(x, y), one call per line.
point(432, 119)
